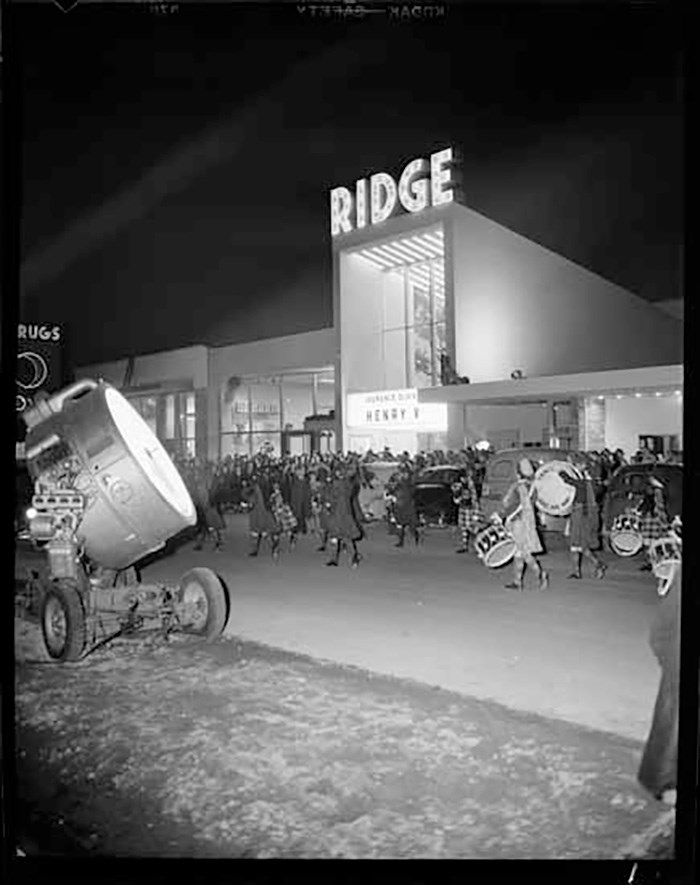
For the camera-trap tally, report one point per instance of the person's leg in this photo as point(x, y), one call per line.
point(258, 542)
point(324, 542)
point(518, 573)
point(575, 563)
point(402, 536)
point(464, 536)
point(335, 552)
point(275, 547)
point(355, 555)
point(599, 567)
point(536, 565)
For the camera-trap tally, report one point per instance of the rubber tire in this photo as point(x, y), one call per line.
point(217, 608)
point(70, 601)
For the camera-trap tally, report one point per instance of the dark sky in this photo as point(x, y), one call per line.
point(176, 168)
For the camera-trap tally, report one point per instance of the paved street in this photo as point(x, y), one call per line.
point(578, 652)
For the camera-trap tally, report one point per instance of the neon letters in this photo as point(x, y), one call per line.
point(423, 183)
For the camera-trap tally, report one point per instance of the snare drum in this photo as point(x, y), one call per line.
point(625, 535)
point(494, 546)
point(665, 555)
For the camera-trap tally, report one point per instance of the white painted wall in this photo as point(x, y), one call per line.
point(520, 306)
point(308, 350)
point(173, 365)
point(628, 418)
point(529, 419)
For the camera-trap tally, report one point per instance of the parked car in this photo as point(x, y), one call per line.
point(501, 472)
point(433, 494)
point(371, 496)
point(630, 480)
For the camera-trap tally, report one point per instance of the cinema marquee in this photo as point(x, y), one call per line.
point(423, 183)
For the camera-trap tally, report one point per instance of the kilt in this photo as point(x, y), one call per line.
point(653, 526)
point(285, 519)
point(470, 519)
point(583, 528)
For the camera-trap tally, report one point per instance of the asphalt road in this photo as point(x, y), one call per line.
point(577, 652)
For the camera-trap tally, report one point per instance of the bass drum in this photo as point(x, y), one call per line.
point(135, 499)
point(555, 497)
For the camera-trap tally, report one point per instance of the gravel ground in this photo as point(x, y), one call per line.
point(240, 750)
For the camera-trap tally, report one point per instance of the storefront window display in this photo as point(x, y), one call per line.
point(298, 400)
point(255, 410)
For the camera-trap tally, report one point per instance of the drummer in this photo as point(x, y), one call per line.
point(653, 517)
point(522, 525)
point(583, 521)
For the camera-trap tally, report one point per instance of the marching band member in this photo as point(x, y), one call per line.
point(261, 522)
point(470, 519)
point(345, 521)
point(522, 525)
point(653, 516)
point(583, 521)
point(405, 506)
point(285, 520)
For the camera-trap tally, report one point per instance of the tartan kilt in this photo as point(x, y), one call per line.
point(470, 519)
point(652, 527)
point(285, 519)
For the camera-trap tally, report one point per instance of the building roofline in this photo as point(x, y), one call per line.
point(650, 378)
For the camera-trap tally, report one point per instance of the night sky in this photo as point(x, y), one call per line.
point(176, 168)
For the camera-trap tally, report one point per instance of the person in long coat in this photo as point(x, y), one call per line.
point(322, 506)
point(210, 520)
point(404, 508)
point(299, 498)
point(261, 521)
point(520, 520)
point(658, 769)
point(345, 521)
point(584, 521)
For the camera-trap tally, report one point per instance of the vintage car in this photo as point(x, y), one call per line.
point(628, 483)
point(501, 472)
point(433, 494)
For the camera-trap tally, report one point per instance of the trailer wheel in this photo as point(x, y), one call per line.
point(203, 593)
point(63, 623)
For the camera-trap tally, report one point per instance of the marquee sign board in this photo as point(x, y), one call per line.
point(423, 183)
point(395, 410)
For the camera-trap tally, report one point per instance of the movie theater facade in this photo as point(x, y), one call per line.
point(449, 329)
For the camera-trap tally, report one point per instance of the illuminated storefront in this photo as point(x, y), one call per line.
point(434, 298)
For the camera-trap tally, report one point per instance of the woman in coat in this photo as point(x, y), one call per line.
point(521, 522)
point(345, 522)
point(299, 497)
point(261, 522)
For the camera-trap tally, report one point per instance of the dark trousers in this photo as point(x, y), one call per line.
point(658, 768)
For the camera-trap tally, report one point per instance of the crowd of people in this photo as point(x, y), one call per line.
point(319, 494)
